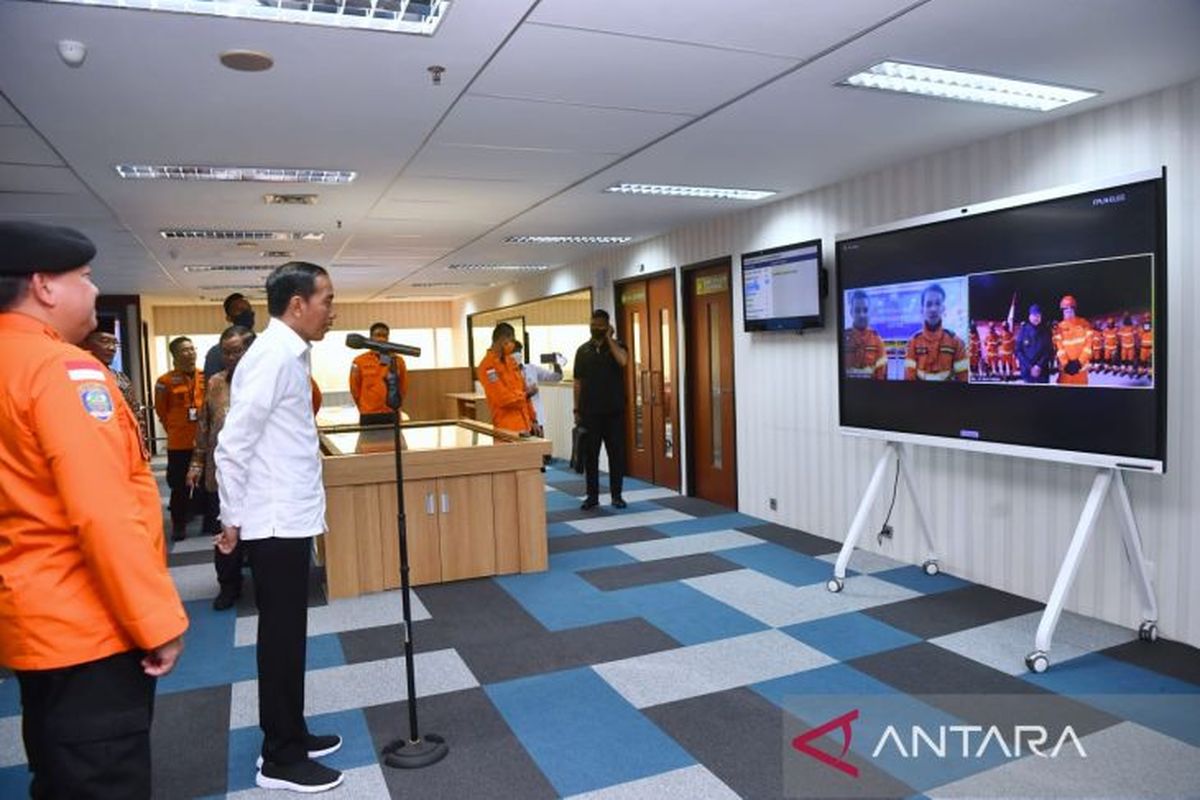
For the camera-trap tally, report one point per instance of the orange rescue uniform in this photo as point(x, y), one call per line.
point(1098, 346)
point(1074, 343)
point(991, 344)
point(1110, 343)
point(178, 398)
point(504, 384)
point(973, 348)
point(83, 571)
point(936, 355)
point(368, 383)
point(866, 356)
point(1008, 346)
point(1146, 346)
point(1128, 337)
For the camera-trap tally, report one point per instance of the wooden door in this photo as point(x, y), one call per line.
point(712, 448)
point(664, 403)
point(424, 539)
point(634, 332)
point(647, 327)
point(466, 525)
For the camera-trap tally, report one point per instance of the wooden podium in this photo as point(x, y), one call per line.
point(474, 497)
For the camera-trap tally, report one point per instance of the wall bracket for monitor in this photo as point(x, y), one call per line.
point(1106, 479)
point(894, 450)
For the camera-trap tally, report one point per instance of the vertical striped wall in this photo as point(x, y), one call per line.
point(1000, 521)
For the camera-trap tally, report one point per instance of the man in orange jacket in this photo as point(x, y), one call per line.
point(934, 353)
point(89, 617)
point(178, 398)
point(1146, 345)
point(1073, 345)
point(369, 376)
point(504, 382)
point(866, 356)
point(1127, 335)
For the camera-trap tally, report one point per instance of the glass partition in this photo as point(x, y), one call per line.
point(557, 324)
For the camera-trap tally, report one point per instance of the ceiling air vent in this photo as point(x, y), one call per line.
point(240, 235)
point(290, 199)
point(229, 268)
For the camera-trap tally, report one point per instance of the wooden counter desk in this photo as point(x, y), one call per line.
point(474, 497)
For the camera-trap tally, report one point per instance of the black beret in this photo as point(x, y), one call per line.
point(29, 247)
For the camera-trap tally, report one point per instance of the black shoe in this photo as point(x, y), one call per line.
point(619, 503)
point(316, 746)
point(178, 533)
point(303, 776)
point(589, 504)
point(227, 597)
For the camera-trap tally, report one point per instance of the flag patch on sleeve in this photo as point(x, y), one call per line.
point(96, 400)
point(492, 376)
point(84, 371)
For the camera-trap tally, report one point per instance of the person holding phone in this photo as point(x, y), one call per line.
point(600, 407)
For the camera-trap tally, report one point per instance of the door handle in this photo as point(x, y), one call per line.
point(445, 503)
point(429, 509)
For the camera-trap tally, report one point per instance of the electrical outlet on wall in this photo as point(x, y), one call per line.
point(773, 504)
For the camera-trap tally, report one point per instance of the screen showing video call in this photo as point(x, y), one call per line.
point(1038, 325)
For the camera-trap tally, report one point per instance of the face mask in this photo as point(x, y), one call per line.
point(245, 318)
point(598, 333)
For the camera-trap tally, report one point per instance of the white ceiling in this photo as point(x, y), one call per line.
point(542, 105)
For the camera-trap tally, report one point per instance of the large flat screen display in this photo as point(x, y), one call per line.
point(1033, 326)
point(783, 288)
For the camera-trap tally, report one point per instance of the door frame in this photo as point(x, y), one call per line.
point(680, 362)
point(688, 412)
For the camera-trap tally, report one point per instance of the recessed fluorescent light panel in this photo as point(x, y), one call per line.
point(970, 87)
point(420, 17)
point(502, 267)
point(703, 192)
point(241, 235)
point(229, 268)
point(194, 172)
point(568, 239)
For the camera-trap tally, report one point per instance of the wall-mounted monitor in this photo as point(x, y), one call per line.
point(783, 288)
point(1033, 326)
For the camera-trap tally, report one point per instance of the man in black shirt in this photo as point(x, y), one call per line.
point(600, 407)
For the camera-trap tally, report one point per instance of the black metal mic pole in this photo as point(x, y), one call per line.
point(415, 751)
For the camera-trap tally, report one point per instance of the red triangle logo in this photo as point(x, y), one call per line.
point(801, 743)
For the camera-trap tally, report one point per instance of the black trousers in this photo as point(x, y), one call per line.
point(177, 467)
point(229, 567)
point(376, 419)
point(280, 570)
point(87, 729)
point(608, 429)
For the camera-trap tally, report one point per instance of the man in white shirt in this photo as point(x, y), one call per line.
point(272, 499)
point(535, 374)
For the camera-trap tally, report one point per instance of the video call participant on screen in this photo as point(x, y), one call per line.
point(1073, 347)
point(1146, 346)
point(974, 349)
point(866, 356)
point(934, 353)
point(370, 380)
point(1034, 348)
point(1127, 336)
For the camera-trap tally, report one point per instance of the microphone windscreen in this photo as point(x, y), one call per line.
point(355, 341)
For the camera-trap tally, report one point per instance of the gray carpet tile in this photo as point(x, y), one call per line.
point(190, 742)
point(1166, 658)
point(485, 760)
point(792, 539)
point(574, 514)
point(625, 576)
point(935, 615)
point(186, 559)
point(477, 611)
point(694, 506)
point(586, 541)
point(578, 487)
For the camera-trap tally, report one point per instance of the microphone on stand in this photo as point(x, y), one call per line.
point(356, 341)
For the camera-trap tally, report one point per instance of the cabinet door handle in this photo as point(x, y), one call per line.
point(429, 509)
point(445, 503)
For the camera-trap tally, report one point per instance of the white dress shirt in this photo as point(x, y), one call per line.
point(268, 457)
point(535, 374)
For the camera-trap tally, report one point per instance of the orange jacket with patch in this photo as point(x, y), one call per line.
point(504, 384)
point(866, 355)
point(82, 560)
point(176, 394)
point(368, 383)
point(935, 356)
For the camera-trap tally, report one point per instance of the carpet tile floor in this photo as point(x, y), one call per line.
point(675, 649)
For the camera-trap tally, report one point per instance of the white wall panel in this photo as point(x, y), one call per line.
point(1000, 521)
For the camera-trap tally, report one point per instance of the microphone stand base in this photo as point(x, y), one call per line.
point(409, 754)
